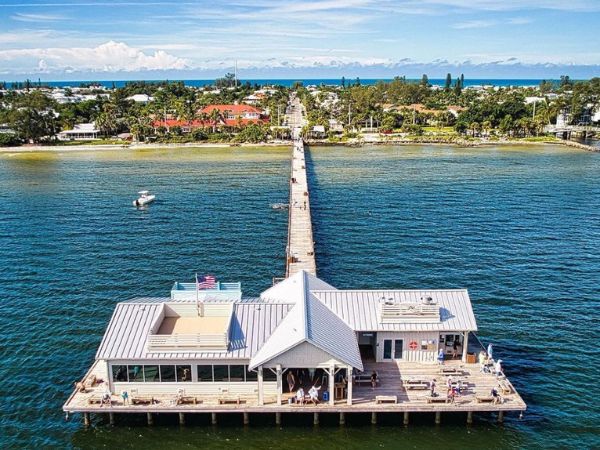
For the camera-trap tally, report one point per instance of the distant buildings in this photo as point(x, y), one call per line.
point(80, 132)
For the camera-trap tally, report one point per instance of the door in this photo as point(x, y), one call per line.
point(398, 344)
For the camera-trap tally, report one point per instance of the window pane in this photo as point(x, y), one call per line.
point(136, 373)
point(184, 373)
point(252, 375)
point(167, 373)
point(205, 373)
point(151, 373)
point(119, 373)
point(221, 373)
point(236, 373)
point(269, 375)
point(387, 349)
point(398, 344)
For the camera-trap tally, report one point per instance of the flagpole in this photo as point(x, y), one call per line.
point(197, 295)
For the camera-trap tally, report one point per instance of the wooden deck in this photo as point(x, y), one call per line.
point(300, 246)
point(393, 377)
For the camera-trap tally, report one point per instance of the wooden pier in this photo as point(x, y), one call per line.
point(300, 250)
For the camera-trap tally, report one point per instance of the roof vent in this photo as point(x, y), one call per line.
point(427, 300)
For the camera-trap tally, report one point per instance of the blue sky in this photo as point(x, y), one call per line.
point(58, 38)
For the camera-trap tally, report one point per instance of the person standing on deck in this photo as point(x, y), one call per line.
point(498, 367)
point(490, 351)
point(291, 381)
point(441, 356)
point(432, 387)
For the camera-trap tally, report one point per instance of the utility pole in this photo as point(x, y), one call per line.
point(235, 73)
point(534, 103)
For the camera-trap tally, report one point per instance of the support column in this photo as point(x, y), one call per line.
point(316, 418)
point(279, 384)
point(405, 421)
point(349, 385)
point(465, 346)
point(181, 418)
point(213, 418)
point(342, 418)
point(469, 417)
point(86, 419)
point(438, 417)
point(261, 388)
point(150, 418)
point(111, 418)
point(277, 418)
point(246, 418)
point(500, 416)
point(374, 418)
point(332, 385)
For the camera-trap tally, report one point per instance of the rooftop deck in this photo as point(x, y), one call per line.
point(393, 382)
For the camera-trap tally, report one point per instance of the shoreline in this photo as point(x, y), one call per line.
point(354, 143)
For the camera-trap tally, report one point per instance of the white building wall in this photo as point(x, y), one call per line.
point(303, 355)
point(249, 389)
point(417, 355)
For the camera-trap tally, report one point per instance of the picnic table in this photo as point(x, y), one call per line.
point(386, 399)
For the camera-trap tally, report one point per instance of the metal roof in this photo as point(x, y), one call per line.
point(308, 321)
point(360, 309)
point(252, 323)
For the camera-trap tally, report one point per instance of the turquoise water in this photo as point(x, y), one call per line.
point(518, 227)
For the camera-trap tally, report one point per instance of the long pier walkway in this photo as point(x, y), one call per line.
point(300, 251)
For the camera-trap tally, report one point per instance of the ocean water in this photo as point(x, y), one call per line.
point(517, 226)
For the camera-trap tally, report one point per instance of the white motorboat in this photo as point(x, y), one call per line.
point(145, 198)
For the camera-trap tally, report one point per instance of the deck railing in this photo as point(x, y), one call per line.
point(179, 342)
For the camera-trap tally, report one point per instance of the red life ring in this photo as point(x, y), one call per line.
point(413, 345)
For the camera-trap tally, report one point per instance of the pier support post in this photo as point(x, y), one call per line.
point(150, 418)
point(181, 418)
point(277, 418)
point(279, 384)
point(316, 418)
point(331, 388)
point(500, 416)
point(405, 421)
point(438, 417)
point(374, 418)
point(86, 419)
point(261, 389)
point(469, 417)
point(246, 418)
point(342, 418)
point(465, 346)
point(213, 418)
point(111, 418)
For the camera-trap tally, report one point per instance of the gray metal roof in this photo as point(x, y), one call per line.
point(360, 309)
point(252, 323)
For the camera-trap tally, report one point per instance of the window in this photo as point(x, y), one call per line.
point(151, 374)
point(205, 373)
point(251, 375)
point(184, 373)
point(236, 373)
point(119, 373)
point(136, 373)
point(167, 373)
point(398, 344)
point(269, 375)
point(424, 345)
point(387, 349)
point(221, 373)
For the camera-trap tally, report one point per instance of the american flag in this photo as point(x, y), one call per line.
point(206, 282)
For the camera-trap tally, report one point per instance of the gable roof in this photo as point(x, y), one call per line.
point(288, 290)
point(310, 321)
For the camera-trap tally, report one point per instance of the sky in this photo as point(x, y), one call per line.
point(103, 39)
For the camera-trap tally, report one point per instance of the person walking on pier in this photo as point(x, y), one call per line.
point(432, 387)
point(313, 392)
point(441, 356)
point(291, 381)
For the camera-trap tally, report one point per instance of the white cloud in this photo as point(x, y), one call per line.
point(108, 57)
point(21, 17)
point(473, 24)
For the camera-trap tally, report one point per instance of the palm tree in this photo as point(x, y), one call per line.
point(215, 117)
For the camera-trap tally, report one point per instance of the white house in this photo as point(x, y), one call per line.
point(80, 132)
point(140, 98)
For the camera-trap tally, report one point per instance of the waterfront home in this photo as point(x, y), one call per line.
point(215, 343)
point(140, 98)
point(80, 132)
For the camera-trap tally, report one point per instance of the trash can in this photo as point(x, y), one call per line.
point(326, 396)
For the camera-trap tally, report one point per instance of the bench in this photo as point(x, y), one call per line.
point(188, 400)
point(386, 399)
point(505, 387)
point(416, 386)
point(449, 371)
point(95, 400)
point(231, 401)
point(438, 399)
point(137, 400)
point(364, 379)
point(484, 398)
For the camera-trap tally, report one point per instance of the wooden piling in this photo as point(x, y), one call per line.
point(405, 421)
point(111, 418)
point(181, 418)
point(469, 417)
point(213, 418)
point(246, 418)
point(86, 419)
point(316, 418)
point(500, 416)
point(342, 418)
point(277, 418)
point(150, 418)
point(374, 418)
point(438, 417)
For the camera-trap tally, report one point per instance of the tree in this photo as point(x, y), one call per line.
point(106, 121)
point(215, 117)
point(448, 82)
point(343, 83)
point(565, 82)
point(357, 82)
point(425, 80)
